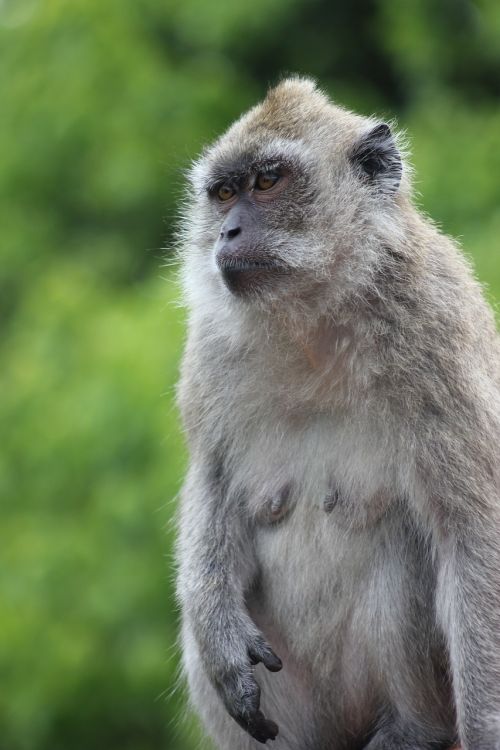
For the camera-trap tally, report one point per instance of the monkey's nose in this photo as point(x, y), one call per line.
point(230, 232)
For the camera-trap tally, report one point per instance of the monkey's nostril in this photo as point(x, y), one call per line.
point(233, 232)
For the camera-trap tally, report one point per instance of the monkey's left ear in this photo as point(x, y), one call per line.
point(377, 158)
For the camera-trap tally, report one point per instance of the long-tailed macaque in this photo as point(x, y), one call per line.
point(339, 546)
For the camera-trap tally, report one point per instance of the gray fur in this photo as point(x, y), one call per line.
point(341, 507)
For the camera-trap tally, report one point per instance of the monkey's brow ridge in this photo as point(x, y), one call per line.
point(240, 168)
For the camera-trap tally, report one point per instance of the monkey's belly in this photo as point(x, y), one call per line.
point(349, 609)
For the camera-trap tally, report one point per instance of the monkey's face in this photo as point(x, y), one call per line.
point(283, 198)
point(243, 253)
point(258, 233)
point(260, 201)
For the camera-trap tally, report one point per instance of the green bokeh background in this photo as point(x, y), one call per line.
point(102, 104)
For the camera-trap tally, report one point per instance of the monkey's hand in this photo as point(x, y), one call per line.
point(231, 670)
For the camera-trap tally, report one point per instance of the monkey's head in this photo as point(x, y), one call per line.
point(294, 201)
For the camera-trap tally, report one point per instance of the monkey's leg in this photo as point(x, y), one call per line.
point(281, 697)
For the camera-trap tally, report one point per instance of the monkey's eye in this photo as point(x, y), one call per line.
point(266, 180)
point(225, 193)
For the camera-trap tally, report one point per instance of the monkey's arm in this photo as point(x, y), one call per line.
point(216, 567)
point(462, 494)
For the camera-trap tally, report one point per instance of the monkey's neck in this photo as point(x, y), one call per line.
point(327, 345)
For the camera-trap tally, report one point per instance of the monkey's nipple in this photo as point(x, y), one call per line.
point(331, 500)
point(277, 506)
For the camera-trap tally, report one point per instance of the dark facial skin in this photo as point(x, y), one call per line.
point(242, 250)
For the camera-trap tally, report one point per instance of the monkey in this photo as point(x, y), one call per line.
point(339, 526)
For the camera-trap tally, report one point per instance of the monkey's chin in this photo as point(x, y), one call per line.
point(250, 278)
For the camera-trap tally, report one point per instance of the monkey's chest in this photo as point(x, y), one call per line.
point(345, 590)
point(326, 563)
point(333, 552)
point(326, 489)
point(344, 597)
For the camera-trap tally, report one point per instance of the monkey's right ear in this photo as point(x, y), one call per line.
point(378, 160)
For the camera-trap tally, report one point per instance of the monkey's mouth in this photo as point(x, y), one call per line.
point(243, 275)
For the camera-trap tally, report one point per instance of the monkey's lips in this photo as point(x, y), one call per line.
point(243, 275)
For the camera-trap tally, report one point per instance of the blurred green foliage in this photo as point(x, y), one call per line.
point(102, 106)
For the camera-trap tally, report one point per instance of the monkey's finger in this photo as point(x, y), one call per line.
point(241, 695)
point(262, 729)
point(260, 651)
